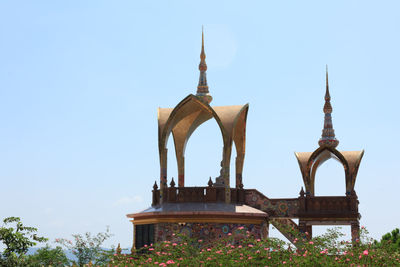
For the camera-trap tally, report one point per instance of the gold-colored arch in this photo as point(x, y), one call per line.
point(184, 119)
point(309, 163)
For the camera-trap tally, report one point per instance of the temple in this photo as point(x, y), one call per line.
point(219, 208)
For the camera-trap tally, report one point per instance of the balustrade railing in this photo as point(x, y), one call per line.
point(197, 194)
point(328, 205)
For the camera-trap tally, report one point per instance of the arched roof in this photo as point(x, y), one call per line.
point(310, 161)
point(191, 112)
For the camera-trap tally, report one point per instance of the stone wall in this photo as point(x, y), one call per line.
point(209, 231)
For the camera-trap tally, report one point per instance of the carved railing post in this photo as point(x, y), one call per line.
point(172, 191)
point(211, 192)
point(302, 201)
point(156, 195)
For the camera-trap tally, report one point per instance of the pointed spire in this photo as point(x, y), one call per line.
point(328, 133)
point(202, 87)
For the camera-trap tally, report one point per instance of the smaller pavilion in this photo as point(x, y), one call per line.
point(333, 210)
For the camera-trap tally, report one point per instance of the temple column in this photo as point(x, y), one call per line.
point(304, 228)
point(163, 173)
point(226, 169)
point(181, 171)
point(265, 230)
point(239, 169)
point(134, 239)
point(309, 231)
point(355, 231)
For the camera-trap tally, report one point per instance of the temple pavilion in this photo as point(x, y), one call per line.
point(218, 209)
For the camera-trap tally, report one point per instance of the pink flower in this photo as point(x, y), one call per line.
point(241, 228)
point(151, 248)
point(174, 244)
point(229, 233)
point(250, 245)
point(170, 262)
point(284, 262)
point(365, 252)
point(200, 240)
point(311, 243)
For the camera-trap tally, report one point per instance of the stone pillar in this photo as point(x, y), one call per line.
point(309, 231)
point(305, 228)
point(239, 169)
point(265, 230)
point(181, 171)
point(355, 231)
point(302, 226)
point(226, 159)
point(163, 174)
point(134, 239)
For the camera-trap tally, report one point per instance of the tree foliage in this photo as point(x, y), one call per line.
point(48, 256)
point(87, 248)
point(17, 239)
point(391, 239)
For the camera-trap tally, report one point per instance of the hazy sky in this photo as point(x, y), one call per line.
point(81, 81)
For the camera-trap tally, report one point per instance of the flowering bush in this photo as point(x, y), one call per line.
point(325, 250)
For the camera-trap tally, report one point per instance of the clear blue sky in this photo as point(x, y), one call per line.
point(80, 83)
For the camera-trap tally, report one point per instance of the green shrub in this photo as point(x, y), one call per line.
point(48, 256)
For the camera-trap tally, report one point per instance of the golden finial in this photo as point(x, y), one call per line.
point(202, 87)
point(327, 106)
point(202, 54)
point(328, 133)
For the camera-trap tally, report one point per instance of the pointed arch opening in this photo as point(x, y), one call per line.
point(330, 179)
point(203, 154)
point(319, 157)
